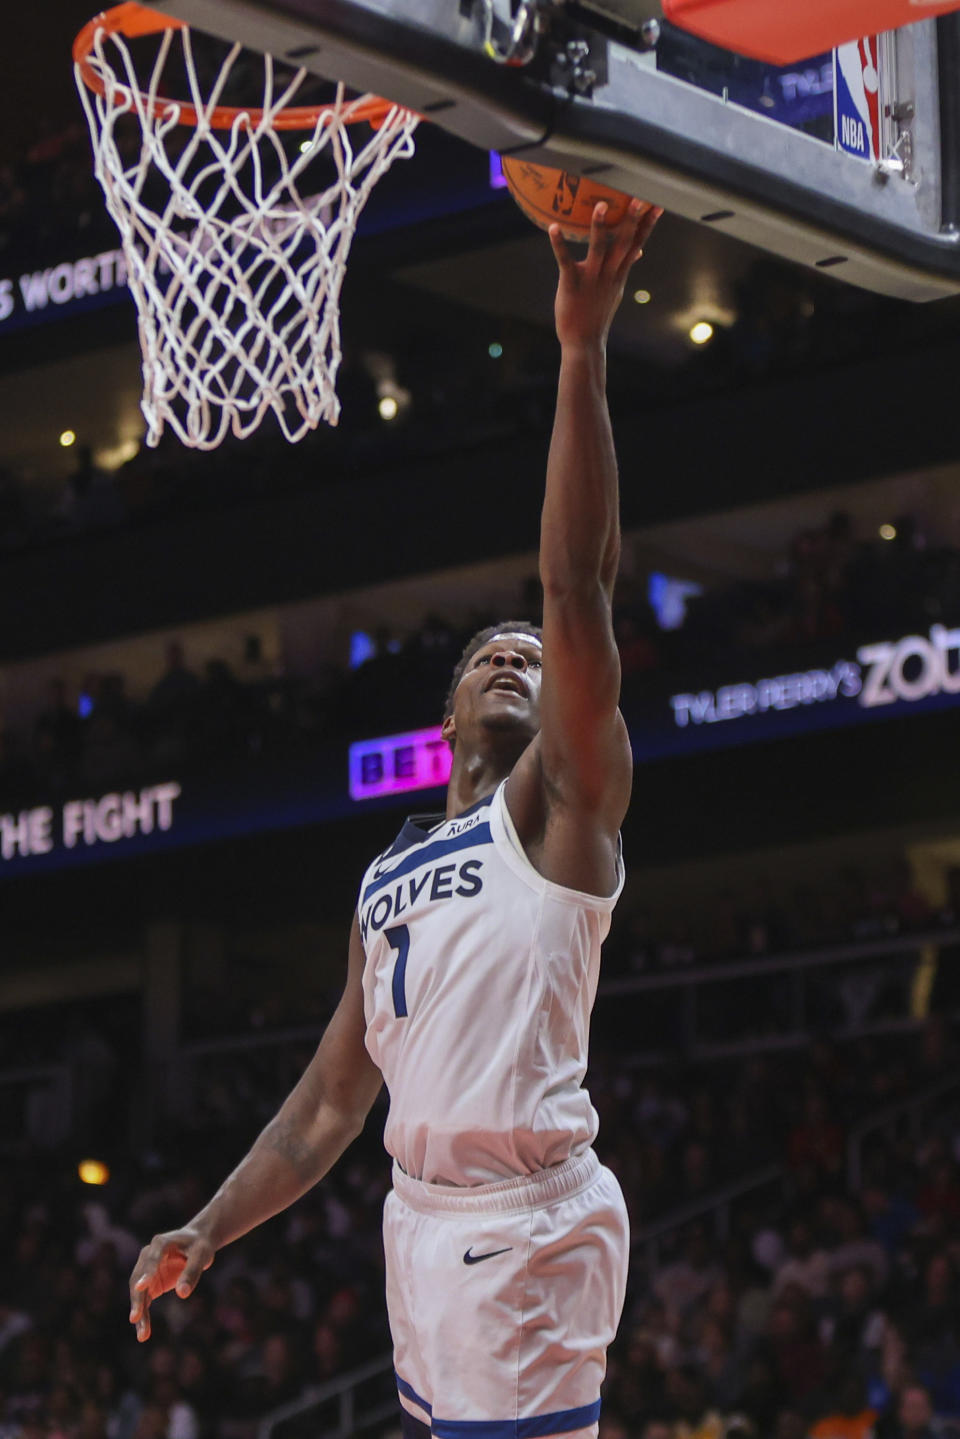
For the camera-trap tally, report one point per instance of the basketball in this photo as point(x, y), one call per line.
point(545, 195)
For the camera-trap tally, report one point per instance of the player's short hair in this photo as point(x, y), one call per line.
point(481, 638)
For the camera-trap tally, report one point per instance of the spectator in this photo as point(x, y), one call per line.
point(790, 1425)
point(852, 1325)
point(171, 706)
point(57, 738)
point(653, 1429)
point(852, 1248)
point(636, 645)
point(716, 1359)
point(795, 1349)
point(177, 687)
point(816, 1143)
point(91, 500)
point(693, 1416)
point(807, 1266)
point(112, 755)
point(100, 1234)
point(613, 1427)
point(939, 1196)
point(689, 1279)
point(914, 1417)
point(852, 1418)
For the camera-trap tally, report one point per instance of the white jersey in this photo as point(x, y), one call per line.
point(479, 980)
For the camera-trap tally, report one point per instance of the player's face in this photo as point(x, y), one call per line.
point(500, 688)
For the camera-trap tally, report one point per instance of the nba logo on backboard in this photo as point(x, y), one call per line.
point(857, 97)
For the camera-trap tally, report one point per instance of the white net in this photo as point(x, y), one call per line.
point(235, 272)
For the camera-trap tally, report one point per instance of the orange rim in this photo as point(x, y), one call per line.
point(131, 20)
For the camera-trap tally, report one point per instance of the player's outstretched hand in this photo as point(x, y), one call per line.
point(590, 290)
point(170, 1261)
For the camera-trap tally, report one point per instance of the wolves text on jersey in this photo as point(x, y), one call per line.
point(442, 881)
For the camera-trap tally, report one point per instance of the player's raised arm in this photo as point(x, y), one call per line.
point(322, 1114)
point(585, 752)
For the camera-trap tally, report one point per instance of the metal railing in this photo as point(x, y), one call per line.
point(716, 1204)
point(911, 1109)
point(263, 1039)
point(893, 961)
point(343, 1394)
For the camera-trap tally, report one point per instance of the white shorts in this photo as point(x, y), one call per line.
point(503, 1299)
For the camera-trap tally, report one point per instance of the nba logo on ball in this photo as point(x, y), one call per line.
point(565, 194)
point(856, 89)
point(548, 196)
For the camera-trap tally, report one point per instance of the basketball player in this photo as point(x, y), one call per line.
point(473, 966)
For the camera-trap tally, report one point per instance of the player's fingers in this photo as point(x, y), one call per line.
point(648, 222)
point(140, 1306)
point(561, 250)
point(601, 235)
point(625, 237)
point(645, 225)
point(192, 1270)
point(139, 1296)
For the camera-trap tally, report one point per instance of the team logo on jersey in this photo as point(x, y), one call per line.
point(439, 882)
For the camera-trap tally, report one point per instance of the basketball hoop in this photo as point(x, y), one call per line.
point(235, 272)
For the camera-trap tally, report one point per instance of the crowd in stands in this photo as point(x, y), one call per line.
point(751, 921)
point(831, 586)
point(816, 1311)
point(49, 198)
point(821, 1312)
point(832, 589)
point(101, 738)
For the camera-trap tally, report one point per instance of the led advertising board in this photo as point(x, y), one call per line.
point(915, 674)
point(887, 679)
point(419, 759)
point(84, 823)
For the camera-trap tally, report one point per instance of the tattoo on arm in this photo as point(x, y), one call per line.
point(285, 1138)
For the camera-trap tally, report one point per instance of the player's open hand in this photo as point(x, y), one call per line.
point(170, 1261)
point(590, 290)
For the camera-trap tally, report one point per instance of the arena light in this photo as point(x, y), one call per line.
point(67, 438)
point(701, 332)
point(93, 1171)
point(642, 297)
point(388, 407)
point(888, 532)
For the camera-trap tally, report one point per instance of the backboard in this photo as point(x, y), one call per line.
point(848, 162)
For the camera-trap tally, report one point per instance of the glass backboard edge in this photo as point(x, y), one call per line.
point(424, 54)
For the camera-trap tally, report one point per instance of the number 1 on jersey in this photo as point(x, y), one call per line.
point(398, 938)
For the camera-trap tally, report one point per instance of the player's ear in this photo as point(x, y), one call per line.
point(449, 729)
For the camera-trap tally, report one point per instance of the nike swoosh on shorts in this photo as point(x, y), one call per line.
point(469, 1258)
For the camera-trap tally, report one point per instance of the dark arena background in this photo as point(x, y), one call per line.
point(220, 681)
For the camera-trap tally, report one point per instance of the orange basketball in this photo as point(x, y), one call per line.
point(546, 195)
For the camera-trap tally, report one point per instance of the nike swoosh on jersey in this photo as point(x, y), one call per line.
point(470, 1258)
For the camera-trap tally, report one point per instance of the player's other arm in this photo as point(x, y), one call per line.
point(585, 753)
point(320, 1117)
